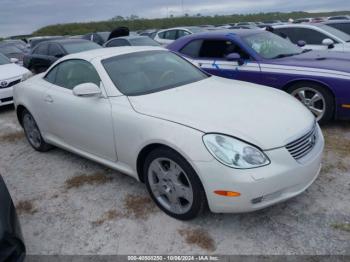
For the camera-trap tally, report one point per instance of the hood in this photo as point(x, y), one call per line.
point(9, 71)
point(328, 60)
point(263, 116)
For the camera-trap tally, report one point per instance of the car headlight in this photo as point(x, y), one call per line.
point(234, 153)
point(26, 76)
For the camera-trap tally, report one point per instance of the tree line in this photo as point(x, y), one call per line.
point(135, 23)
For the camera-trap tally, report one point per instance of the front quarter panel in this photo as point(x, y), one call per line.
point(135, 131)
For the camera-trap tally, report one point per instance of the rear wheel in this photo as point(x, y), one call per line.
point(316, 98)
point(173, 184)
point(33, 133)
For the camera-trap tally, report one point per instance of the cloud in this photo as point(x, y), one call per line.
point(25, 16)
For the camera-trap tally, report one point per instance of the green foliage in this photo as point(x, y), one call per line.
point(135, 23)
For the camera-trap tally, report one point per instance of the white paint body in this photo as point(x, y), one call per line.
point(9, 73)
point(340, 45)
point(113, 129)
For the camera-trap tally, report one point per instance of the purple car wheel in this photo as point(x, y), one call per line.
point(316, 98)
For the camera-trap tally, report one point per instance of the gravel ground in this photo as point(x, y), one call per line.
point(70, 205)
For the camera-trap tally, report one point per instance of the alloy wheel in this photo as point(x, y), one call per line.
point(170, 185)
point(312, 99)
point(32, 130)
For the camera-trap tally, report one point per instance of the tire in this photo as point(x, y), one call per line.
point(33, 133)
point(324, 101)
point(166, 188)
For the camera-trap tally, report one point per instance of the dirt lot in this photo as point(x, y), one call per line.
point(69, 205)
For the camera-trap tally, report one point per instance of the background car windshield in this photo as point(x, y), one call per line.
point(143, 41)
point(76, 47)
point(343, 36)
point(269, 45)
point(9, 49)
point(4, 60)
point(150, 71)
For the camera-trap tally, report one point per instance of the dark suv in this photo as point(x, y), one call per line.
point(46, 53)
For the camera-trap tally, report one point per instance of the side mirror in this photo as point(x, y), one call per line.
point(301, 43)
point(235, 57)
point(328, 42)
point(14, 60)
point(87, 90)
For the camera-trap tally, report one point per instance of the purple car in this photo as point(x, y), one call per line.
point(319, 79)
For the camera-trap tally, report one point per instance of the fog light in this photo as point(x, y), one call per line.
point(227, 193)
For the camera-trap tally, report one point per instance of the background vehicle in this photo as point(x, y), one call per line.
point(303, 20)
point(131, 41)
point(12, 246)
point(10, 75)
point(318, 79)
point(167, 135)
point(46, 53)
point(168, 36)
point(11, 51)
point(97, 37)
point(18, 43)
point(341, 25)
point(150, 33)
point(34, 41)
point(340, 17)
point(315, 36)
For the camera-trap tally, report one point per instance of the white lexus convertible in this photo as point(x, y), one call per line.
point(192, 138)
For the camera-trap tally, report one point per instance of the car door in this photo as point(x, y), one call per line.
point(55, 52)
point(210, 55)
point(40, 59)
point(84, 123)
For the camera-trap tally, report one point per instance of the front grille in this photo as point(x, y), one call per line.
point(303, 145)
point(11, 84)
point(8, 99)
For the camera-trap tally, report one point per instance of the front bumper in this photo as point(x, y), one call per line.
point(6, 96)
point(260, 187)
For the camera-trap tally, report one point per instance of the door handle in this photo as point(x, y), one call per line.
point(49, 99)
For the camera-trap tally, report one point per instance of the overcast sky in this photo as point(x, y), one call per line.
point(25, 16)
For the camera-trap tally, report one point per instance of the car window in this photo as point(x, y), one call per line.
point(344, 27)
point(310, 36)
point(271, 46)
point(192, 48)
point(72, 73)
point(339, 34)
point(55, 50)
point(41, 49)
point(150, 71)
point(181, 33)
point(51, 76)
point(170, 35)
point(4, 60)
point(118, 42)
point(161, 35)
point(219, 49)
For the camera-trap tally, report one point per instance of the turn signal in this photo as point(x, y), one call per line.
point(227, 193)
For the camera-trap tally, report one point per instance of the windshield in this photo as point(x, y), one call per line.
point(269, 45)
point(104, 35)
point(337, 33)
point(143, 41)
point(9, 49)
point(150, 71)
point(4, 60)
point(76, 47)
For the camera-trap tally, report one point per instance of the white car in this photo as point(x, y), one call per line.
point(315, 36)
point(190, 137)
point(10, 75)
point(167, 36)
